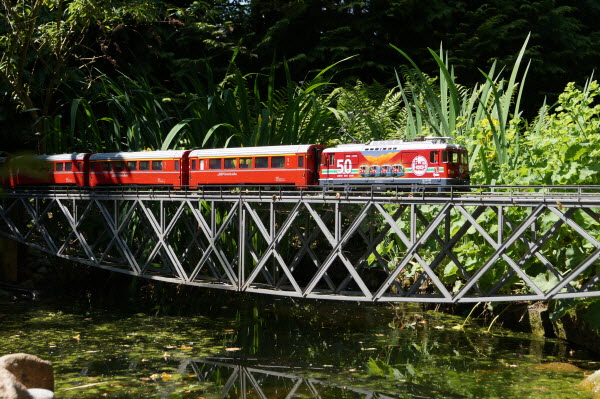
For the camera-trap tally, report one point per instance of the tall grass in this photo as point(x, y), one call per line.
point(121, 114)
point(442, 107)
point(252, 110)
point(126, 114)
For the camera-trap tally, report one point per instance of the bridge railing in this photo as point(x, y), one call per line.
point(389, 193)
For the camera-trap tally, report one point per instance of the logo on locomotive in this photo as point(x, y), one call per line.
point(419, 165)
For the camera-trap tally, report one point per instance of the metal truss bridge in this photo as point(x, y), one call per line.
point(494, 243)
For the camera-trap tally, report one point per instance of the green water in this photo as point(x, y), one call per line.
point(268, 347)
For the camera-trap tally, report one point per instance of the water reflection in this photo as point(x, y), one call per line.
point(268, 351)
point(233, 379)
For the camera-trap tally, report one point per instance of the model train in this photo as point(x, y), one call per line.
point(426, 161)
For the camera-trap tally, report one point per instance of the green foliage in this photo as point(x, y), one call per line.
point(368, 112)
point(129, 114)
point(563, 145)
point(245, 115)
point(450, 110)
point(378, 368)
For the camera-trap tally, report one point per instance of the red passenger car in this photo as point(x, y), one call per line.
point(432, 160)
point(285, 164)
point(70, 169)
point(146, 167)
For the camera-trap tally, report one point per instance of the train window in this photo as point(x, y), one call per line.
point(202, 164)
point(144, 165)
point(214, 163)
point(434, 157)
point(445, 156)
point(261, 162)
point(118, 166)
point(229, 163)
point(132, 165)
point(157, 165)
point(106, 166)
point(245, 163)
point(79, 166)
point(59, 167)
point(278, 162)
point(68, 166)
point(193, 164)
point(301, 161)
point(465, 157)
point(453, 157)
point(176, 165)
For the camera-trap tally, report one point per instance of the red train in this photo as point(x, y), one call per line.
point(431, 161)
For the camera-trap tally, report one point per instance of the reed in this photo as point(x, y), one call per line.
point(252, 110)
point(442, 107)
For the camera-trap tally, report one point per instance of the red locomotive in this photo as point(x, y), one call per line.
point(428, 161)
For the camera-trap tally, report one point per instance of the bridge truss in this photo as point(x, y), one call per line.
point(489, 244)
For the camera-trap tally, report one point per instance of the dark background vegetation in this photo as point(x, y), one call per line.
point(175, 48)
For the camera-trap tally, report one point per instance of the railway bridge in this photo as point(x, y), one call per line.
point(492, 243)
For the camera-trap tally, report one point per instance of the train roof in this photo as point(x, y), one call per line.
point(64, 157)
point(116, 156)
point(386, 145)
point(48, 158)
point(267, 150)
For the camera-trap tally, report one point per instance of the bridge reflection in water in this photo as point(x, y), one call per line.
point(234, 380)
point(488, 244)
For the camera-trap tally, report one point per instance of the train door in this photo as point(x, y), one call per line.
point(184, 168)
point(313, 163)
point(330, 162)
point(84, 171)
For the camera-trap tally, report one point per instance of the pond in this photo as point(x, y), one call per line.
point(235, 345)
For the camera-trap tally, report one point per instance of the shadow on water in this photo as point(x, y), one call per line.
point(152, 340)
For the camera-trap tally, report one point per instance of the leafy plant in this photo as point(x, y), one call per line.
point(480, 117)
